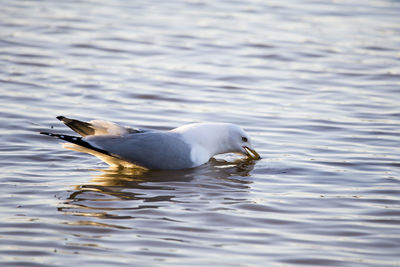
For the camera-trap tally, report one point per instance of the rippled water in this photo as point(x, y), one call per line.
point(316, 83)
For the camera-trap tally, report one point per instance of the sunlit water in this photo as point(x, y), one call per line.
point(316, 83)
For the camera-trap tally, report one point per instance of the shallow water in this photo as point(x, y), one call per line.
point(316, 83)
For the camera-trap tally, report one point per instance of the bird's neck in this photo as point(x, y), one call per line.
point(209, 139)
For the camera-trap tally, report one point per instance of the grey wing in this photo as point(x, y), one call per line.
point(153, 150)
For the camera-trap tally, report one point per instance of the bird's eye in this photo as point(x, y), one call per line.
point(244, 139)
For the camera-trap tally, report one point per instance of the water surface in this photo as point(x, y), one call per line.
point(316, 83)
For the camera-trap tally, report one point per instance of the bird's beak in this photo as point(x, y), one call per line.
point(251, 153)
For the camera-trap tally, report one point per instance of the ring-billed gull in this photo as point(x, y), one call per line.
point(184, 147)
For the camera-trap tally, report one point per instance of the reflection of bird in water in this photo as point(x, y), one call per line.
point(127, 194)
point(216, 169)
point(153, 187)
point(184, 147)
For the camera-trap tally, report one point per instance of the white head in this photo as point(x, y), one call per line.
point(239, 141)
point(216, 138)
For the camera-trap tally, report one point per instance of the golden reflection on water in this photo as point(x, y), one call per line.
point(128, 177)
point(106, 195)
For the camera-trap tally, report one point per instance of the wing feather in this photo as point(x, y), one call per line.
point(96, 127)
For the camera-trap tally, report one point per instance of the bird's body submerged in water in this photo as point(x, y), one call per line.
point(184, 147)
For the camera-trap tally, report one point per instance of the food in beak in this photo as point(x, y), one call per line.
point(251, 153)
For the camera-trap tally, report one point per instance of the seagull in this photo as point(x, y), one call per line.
point(184, 147)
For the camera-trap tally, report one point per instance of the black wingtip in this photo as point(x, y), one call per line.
point(69, 138)
point(60, 136)
point(61, 118)
point(78, 141)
